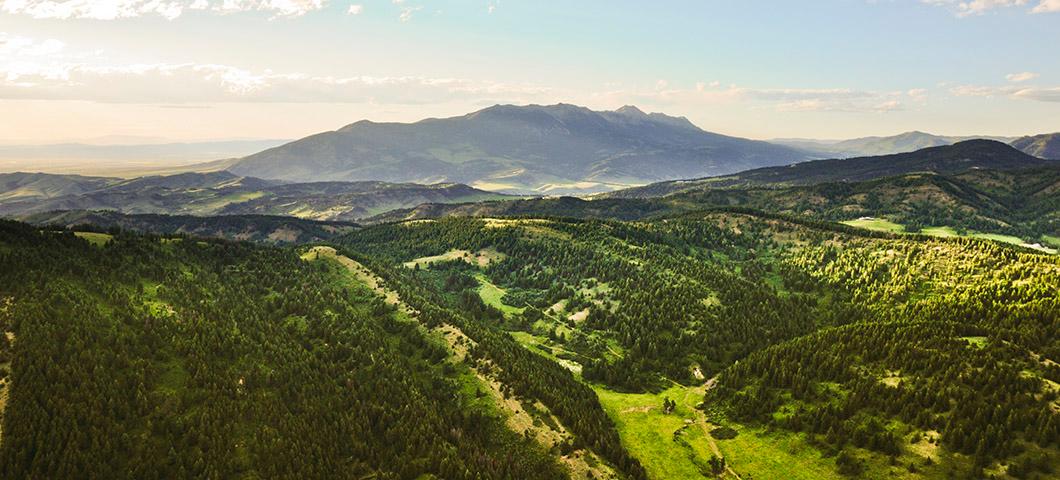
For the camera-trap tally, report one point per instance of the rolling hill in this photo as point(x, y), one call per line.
point(950, 159)
point(1041, 146)
point(22, 186)
point(533, 149)
point(700, 345)
point(255, 228)
point(222, 193)
point(874, 146)
point(1022, 203)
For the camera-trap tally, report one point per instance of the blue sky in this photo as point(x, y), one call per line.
point(205, 69)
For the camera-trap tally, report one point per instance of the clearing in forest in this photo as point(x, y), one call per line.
point(97, 239)
point(482, 258)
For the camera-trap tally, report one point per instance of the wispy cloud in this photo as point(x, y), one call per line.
point(779, 99)
point(1021, 77)
point(965, 8)
point(1041, 94)
point(170, 9)
point(355, 9)
point(1047, 6)
point(202, 83)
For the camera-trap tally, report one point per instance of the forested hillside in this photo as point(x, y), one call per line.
point(256, 228)
point(700, 345)
point(142, 357)
point(632, 307)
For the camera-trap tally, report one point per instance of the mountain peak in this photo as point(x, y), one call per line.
point(631, 111)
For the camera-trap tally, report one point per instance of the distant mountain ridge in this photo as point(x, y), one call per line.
point(880, 145)
point(255, 228)
point(552, 149)
point(220, 193)
point(1041, 146)
point(950, 159)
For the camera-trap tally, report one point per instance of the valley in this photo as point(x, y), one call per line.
point(504, 240)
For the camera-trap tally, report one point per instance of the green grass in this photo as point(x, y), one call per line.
point(97, 239)
point(947, 232)
point(648, 433)
point(944, 232)
point(1051, 240)
point(539, 345)
point(492, 295)
point(775, 455)
point(877, 224)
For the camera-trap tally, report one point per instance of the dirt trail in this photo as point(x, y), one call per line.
point(705, 424)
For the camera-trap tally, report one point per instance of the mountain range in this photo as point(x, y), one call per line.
point(979, 185)
point(956, 158)
point(557, 149)
point(882, 145)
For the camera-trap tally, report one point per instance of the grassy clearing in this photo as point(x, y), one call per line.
point(97, 239)
point(543, 346)
point(648, 433)
point(942, 232)
point(877, 224)
point(492, 295)
point(758, 454)
point(1051, 240)
point(978, 342)
point(481, 258)
point(948, 232)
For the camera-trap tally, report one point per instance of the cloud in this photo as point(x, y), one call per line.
point(1039, 94)
point(963, 8)
point(355, 9)
point(175, 84)
point(704, 94)
point(1008, 91)
point(406, 12)
point(1047, 6)
point(169, 9)
point(1021, 77)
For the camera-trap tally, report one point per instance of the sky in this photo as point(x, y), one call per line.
point(184, 70)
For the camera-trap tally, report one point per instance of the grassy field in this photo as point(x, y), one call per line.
point(481, 258)
point(877, 224)
point(758, 454)
point(944, 232)
point(648, 433)
point(492, 295)
point(882, 225)
point(754, 453)
point(97, 239)
point(947, 232)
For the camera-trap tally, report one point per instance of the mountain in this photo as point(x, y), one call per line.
point(870, 146)
point(538, 149)
point(222, 193)
point(1041, 146)
point(951, 159)
point(254, 228)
